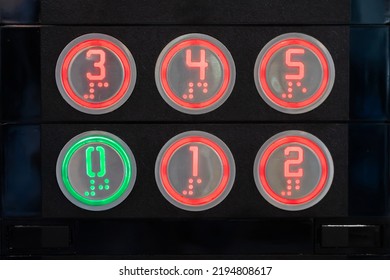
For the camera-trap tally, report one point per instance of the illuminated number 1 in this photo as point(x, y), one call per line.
point(102, 161)
point(99, 64)
point(296, 161)
point(202, 64)
point(296, 64)
point(195, 160)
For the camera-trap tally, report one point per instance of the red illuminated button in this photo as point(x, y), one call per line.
point(195, 73)
point(294, 73)
point(195, 171)
point(95, 73)
point(293, 170)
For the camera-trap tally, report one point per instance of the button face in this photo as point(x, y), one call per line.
point(195, 171)
point(294, 73)
point(195, 73)
point(96, 170)
point(293, 170)
point(95, 73)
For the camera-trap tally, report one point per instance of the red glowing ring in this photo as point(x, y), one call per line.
point(165, 178)
point(173, 51)
point(288, 42)
point(317, 151)
point(100, 43)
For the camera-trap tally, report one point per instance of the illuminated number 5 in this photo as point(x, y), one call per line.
point(102, 161)
point(289, 162)
point(297, 64)
point(99, 64)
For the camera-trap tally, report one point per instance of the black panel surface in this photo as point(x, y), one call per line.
point(195, 12)
point(21, 91)
point(37, 221)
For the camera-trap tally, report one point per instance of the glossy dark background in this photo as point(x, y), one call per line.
point(25, 233)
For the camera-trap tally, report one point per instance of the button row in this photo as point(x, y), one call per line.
point(195, 170)
point(195, 73)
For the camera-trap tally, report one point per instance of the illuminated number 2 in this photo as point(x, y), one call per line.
point(102, 161)
point(202, 64)
point(290, 161)
point(99, 64)
point(195, 160)
point(297, 64)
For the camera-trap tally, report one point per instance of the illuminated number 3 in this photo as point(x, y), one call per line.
point(102, 161)
point(297, 64)
point(99, 64)
point(290, 161)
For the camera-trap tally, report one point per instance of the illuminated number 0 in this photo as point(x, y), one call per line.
point(102, 161)
point(99, 64)
point(289, 162)
point(202, 64)
point(297, 64)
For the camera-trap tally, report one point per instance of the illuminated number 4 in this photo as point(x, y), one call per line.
point(201, 64)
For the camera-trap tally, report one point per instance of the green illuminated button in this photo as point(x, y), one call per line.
point(96, 170)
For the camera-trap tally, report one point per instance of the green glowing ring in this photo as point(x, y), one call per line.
point(118, 146)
